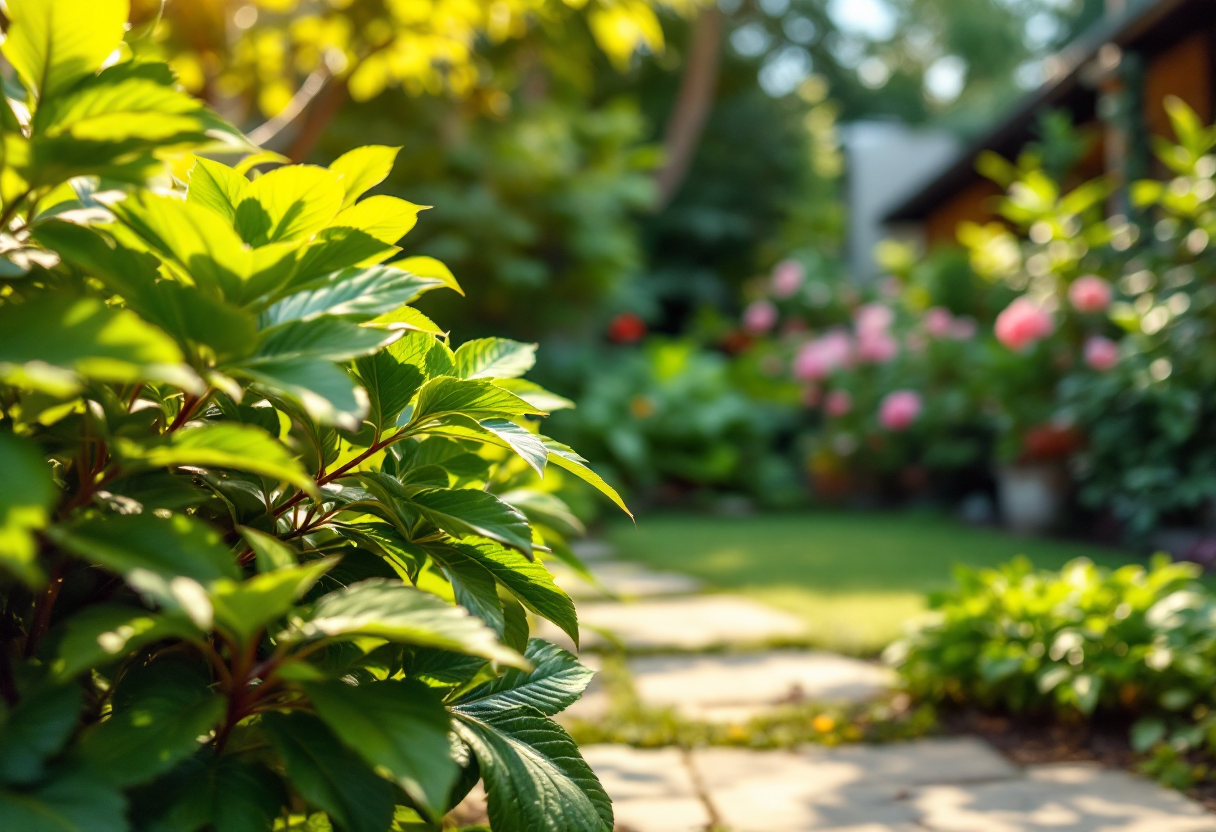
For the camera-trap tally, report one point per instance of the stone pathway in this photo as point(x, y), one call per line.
point(938, 785)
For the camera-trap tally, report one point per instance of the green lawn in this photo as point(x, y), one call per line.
point(855, 577)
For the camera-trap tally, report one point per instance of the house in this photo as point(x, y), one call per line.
point(1112, 80)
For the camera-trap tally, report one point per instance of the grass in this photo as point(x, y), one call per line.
point(854, 577)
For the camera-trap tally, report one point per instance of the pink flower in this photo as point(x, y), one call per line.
point(899, 409)
point(1101, 354)
point(787, 278)
point(1089, 294)
point(1023, 323)
point(876, 347)
point(818, 358)
point(872, 319)
point(938, 321)
point(838, 403)
point(962, 328)
point(759, 317)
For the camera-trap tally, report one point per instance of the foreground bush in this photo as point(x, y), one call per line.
point(1136, 641)
point(264, 547)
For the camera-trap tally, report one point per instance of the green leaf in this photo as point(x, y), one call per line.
point(223, 445)
point(529, 580)
point(536, 781)
point(288, 204)
point(27, 494)
point(476, 590)
point(387, 218)
point(270, 552)
point(407, 318)
point(100, 634)
point(334, 249)
point(535, 395)
point(390, 386)
point(73, 803)
point(220, 793)
point(54, 43)
point(397, 725)
point(326, 393)
point(243, 609)
point(494, 358)
point(329, 775)
point(445, 396)
point(91, 340)
point(564, 457)
point(461, 512)
point(217, 187)
point(159, 714)
point(430, 267)
point(35, 729)
point(521, 440)
point(320, 339)
point(390, 610)
point(171, 547)
point(541, 507)
point(554, 683)
point(359, 294)
point(362, 169)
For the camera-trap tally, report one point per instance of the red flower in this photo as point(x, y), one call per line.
point(627, 328)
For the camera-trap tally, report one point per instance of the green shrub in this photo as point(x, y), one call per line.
point(1082, 640)
point(264, 553)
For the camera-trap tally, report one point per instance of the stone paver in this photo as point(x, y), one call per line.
point(651, 790)
point(625, 580)
point(1066, 797)
point(693, 623)
point(733, 688)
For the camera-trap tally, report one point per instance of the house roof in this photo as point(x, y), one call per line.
point(1149, 27)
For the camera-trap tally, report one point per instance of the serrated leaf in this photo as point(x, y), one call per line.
point(91, 340)
point(326, 393)
point(223, 445)
point(390, 386)
point(430, 267)
point(393, 611)
point(217, 187)
point(525, 443)
point(554, 683)
point(494, 358)
point(54, 43)
point(221, 793)
point(535, 395)
point(536, 781)
point(159, 713)
point(564, 457)
point(320, 339)
point(397, 725)
point(27, 494)
point(328, 774)
point(35, 729)
point(476, 399)
point(270, 552)
point(461, 512)
point(72, 803)
point(529, 580)
point(171, 547)
point(100, 634)
point(244, 608)
point(387, 218)
point(362, 169)
point(477, 591)
point(359, 294)
point(288, 204)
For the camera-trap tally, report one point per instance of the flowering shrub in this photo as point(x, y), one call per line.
point(266, 545)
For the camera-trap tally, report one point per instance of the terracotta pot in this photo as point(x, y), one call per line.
point(1032, 496)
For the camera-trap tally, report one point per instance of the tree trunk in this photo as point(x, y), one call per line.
point(693, 103)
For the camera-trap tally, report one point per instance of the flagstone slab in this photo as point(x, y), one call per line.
point(837, 788)
point(1065, 797)
point(651, 789)
point(692, 623)
point(623, 580)
point(732, 688)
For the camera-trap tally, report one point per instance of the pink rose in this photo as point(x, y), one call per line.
point(838, 403)
point(818, 358)
point(938, 321)
point(759, 317)
point(787, 278)
point(1089, 294)
point(872, 319)
point(962, 328)
point(1101, 354)
point(899, 409)
point(1023, 323)
point(876, 347)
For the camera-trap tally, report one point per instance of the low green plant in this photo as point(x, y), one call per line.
point(266, 555)
point(1086, 639)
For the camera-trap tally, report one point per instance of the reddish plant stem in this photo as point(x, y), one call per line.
point(376, 447)
point(43, 608)
point(190, 405)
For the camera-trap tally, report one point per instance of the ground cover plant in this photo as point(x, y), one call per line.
point(267, 542)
